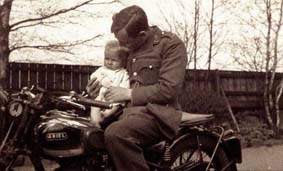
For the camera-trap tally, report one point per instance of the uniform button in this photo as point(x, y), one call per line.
point(134, 60)
point(135, 74)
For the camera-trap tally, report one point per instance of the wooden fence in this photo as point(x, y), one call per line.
point(49, 76)
point(243, 89)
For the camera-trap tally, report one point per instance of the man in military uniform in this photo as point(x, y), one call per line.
point(156, 65)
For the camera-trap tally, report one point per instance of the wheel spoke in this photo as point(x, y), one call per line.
point(190, 159)
point(184, 158)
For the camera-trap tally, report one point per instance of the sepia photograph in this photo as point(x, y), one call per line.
point(141, 85)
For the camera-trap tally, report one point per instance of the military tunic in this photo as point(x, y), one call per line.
point(156, 73)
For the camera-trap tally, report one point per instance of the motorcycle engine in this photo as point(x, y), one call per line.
point(60, 133)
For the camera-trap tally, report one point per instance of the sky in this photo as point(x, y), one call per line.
point(89, 26)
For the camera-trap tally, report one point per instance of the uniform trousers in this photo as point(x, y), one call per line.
point(126, 138)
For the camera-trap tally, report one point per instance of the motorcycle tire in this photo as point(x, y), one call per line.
point(7, 155)
point(7, 164)
point(187, 155)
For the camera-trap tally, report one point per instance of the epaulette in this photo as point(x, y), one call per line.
point(161, 34)
point(167, 34)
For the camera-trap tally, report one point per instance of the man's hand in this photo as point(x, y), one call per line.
point(93, 87)
point(118, 94)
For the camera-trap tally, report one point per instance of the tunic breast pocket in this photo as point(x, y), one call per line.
point(149, 71)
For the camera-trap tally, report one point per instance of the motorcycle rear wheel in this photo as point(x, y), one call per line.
point(187, 155)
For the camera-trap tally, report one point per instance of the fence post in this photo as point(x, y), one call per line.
point(216, 82)
point(230, 109)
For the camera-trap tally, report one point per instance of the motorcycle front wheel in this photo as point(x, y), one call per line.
point(195, 154)
point(8, 151)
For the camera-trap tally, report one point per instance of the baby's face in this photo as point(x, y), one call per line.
point(112, 61)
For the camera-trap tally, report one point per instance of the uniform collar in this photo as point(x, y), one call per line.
point(153, 39)
point(157, 35)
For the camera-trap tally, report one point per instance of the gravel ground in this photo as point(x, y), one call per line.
point(254, 159)
point(262, 158)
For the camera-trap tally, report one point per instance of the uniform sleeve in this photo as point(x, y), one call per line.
point(170, 78)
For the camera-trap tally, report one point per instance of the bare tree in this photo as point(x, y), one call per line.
point(279, 88)
point(268, 101)
point(45, 17)
point(5, 10)
point(274, 26)
point(210, 30)
point(215, 31)
point(199, 28)
point(196, 31)
point(181, 26)
point(247, 47)
point(260, 50)
point(248, 54)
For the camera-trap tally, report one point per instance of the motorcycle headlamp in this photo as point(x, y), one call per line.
point(15, 108)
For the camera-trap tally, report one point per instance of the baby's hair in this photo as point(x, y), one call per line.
point(114, 46)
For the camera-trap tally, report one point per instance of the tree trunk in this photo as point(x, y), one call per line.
point(279, 89)
point(279, 92)
point(5, 10)
point(196, 29)
point(210, 35)
point(210, 31)
point(268, 100)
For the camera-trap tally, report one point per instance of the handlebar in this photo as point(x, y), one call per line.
point(73, 99)
point(95, 103)
point(80, 101)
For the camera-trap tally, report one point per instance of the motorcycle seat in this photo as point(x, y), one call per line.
point(190, 119)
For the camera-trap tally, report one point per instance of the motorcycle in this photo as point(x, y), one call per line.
point(56, 126)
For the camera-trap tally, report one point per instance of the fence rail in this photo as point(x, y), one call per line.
point(243, 89)
point(49, 76)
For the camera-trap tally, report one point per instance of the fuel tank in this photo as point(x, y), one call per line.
point(63, 134)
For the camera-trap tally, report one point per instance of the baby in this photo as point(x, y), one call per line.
point(113, 73)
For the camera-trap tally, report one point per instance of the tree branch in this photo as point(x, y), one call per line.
point(29, 25)
point(56, 47)
point(59, 12)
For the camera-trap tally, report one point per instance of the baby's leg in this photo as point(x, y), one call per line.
point(95, 116)
point(95, 112)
